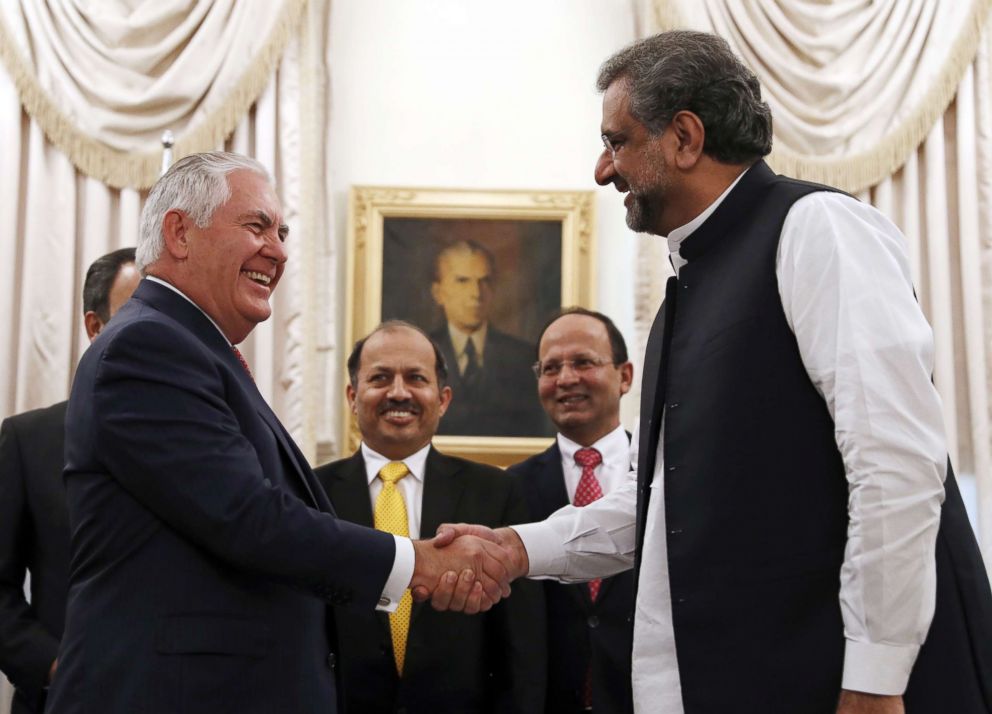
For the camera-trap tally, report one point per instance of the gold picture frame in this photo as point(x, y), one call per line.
point(544, 240)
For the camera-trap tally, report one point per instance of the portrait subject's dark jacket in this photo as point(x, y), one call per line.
point(34, 536)
point(754, 561)
point(470, 664)
point(504, 401)
point(204, 552)
point(581, 633)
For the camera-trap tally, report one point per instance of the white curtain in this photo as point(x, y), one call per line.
point(890, 101)
point(61, 217)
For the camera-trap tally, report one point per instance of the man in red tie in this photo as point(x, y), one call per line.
point(582, 372)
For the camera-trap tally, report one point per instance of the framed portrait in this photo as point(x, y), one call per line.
point(480, 272)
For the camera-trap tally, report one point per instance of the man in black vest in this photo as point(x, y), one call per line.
point(582, 373)
point(34, 526)
point(791, 445)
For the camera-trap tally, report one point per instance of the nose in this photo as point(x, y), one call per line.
point(275, 250)
point(568, 374)
point(604, 171)
point(398, 389)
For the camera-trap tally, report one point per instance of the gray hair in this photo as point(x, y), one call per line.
point(698, 72)
point(197, 185)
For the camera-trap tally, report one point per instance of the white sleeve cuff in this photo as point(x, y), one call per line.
point(400, 576)
point(877, 668)
point(545, 549)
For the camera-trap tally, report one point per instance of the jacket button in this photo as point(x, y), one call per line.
point(593, 621)
point(673, 405)
point(332, 660)
point(671, 468)
point(675, 531)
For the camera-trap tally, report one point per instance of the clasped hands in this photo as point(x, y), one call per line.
point(467, 568)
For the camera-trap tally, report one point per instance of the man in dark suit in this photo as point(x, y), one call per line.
point(34, 529)
point(490, 370)
point(583, 373)
point(423, 661)
point(799, 542)
point(204, 552)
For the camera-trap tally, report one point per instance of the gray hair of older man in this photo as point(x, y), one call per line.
point(694, 71)
point(196, 185)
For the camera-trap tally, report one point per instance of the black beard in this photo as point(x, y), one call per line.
point(639, 215)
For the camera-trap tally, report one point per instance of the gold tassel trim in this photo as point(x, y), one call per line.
point(857, 171)
point(133, 169)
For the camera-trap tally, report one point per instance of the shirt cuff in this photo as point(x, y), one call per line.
point(399, 577)
point(878, 669)
point(545, 550)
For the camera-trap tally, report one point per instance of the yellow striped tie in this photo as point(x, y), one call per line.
point(390, 516)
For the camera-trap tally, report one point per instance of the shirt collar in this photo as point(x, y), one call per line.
point(416, 463)
point(179, 292)
point(614, 448)
point(459, 339)
point(679, 234)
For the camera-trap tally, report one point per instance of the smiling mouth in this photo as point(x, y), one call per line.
point(255, 276)
point(572, 399)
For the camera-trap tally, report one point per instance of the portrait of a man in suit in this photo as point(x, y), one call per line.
point(490, 369)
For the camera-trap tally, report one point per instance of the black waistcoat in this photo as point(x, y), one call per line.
point(755, 493)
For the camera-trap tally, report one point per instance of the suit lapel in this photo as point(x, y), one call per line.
point(349, 492)
point(439, 504)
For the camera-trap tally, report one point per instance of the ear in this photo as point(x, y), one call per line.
point(93, 324)
point(349, 392)
point(690, 135)
point(626, 377)
point(175, 230)
point(445, 400)
point(436, 293)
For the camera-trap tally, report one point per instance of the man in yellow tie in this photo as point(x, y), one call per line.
point(421, 660)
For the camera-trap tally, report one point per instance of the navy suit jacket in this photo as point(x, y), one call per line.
point(204, 552)
point(492, 662)
point(34, 536)
point(581, 633)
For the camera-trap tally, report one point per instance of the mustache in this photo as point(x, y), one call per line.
point(399, 404)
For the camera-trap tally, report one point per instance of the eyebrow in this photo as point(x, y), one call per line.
point(266, 220)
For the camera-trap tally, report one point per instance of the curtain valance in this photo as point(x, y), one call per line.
point(104, 80)
point(854, 85)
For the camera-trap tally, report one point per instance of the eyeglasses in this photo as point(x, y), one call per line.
point(580, 365)
point(609, 146)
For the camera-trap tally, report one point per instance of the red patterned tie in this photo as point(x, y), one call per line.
point(588, 491)
point(241, 359)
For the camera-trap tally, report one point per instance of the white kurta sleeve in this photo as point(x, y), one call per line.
point(595, 541)
point(846, 290)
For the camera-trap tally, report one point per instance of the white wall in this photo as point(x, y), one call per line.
point(479, 94)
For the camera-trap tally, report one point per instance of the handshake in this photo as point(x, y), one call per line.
point(467, 568)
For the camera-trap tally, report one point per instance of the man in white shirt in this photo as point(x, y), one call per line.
point(582, 374)
point(790, 440)
point(418, 660)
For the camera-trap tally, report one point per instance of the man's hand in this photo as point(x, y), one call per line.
point(863, 703)
point(452, 592)
point(483, 567)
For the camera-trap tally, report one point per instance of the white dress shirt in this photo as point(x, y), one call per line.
point(846, 291)
point(611, 472)
point(403, 562)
